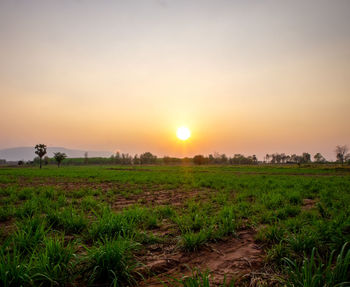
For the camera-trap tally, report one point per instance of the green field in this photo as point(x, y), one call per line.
point(175, 226)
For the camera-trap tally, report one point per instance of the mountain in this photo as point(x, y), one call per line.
point(27, 153)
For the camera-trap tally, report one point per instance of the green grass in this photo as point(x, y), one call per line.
point(197, 279)
point(54, 263)
point(60, 227)
point(14, 269)
point(30, 233)
point(68, 220)
point(316, 272)
point(111, 260)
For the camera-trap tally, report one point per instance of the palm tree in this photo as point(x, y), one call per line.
point(40, 150)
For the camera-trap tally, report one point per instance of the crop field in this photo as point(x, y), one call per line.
point(175, 226)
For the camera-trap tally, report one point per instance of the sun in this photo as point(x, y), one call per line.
point(183, 133)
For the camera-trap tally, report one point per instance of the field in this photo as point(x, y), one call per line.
point(175, 226)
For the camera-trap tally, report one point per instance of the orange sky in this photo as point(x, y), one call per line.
point(245, 76)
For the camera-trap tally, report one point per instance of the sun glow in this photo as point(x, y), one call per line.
point(183, 133)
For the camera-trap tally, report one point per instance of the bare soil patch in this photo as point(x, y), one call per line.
point(308, 203)
point(149, 195)
point(158, 197)
point(233, 257)
point(7, 227)
point(71, 184)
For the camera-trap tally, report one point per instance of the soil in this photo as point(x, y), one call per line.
point(149, 195)
point(308, 203)
point(233, 258)
point(158, 197)
point(238, 257)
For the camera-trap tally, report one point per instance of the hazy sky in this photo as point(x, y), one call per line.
point(245, 76)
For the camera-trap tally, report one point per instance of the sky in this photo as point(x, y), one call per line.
point(250, 77)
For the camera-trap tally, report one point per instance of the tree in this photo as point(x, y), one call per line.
point(341, 153)
point(347, 158)
point(283, 157)
point(59, 157)
point(148, 158)
point(223, 159)
point(211, 159)
point(171, 160)
point(306, 157)
point(136, 159)
point(86, 157)
point(318, 158)
point(217, 158)
point(46, 160)
point(296, 159)
point(40, 150)
point(255, 159)
point(199, 159)
point(126, 158)
point(287, 158)
point(117, 158)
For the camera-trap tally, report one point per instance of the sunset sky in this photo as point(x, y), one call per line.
point(251, 77)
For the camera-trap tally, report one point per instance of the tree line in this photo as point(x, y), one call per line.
point(118, 158)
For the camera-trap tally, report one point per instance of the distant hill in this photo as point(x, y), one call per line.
point(27, 153)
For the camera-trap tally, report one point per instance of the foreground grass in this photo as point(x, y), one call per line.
point(59, 227)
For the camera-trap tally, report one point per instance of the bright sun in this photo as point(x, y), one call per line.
point(183, 133)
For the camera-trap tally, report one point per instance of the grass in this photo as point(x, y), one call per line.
point(198, 279)
point(14, 270)
point(315, 272)
point(112, 261)
point(93, 224)
point(30, 233)
point(68, 220)
point(111, 225)
point(192, 241)
point(54, 263)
